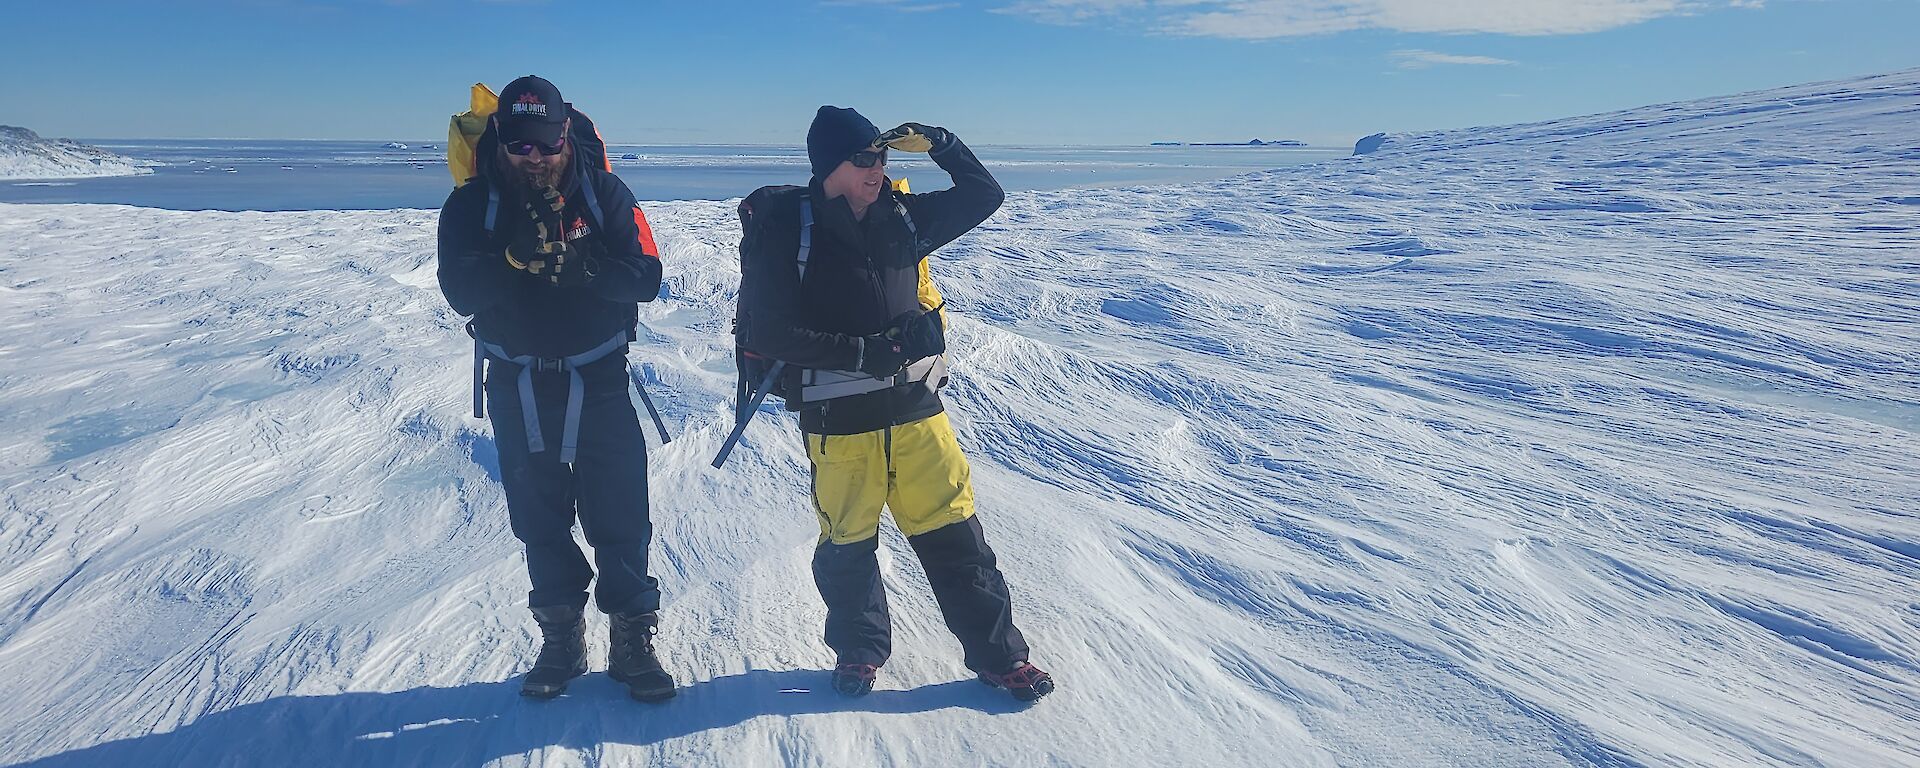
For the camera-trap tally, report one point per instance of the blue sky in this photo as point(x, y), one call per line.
point(1000, 71)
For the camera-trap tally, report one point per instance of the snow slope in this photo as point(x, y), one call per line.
point(24, 155)
point(1590, 442)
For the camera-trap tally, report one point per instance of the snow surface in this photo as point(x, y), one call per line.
point(1591, 442)
point(24, 155)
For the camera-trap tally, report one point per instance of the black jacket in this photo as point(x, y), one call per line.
point(524, 313)
point(861, 275)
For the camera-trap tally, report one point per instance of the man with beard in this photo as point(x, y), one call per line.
point(549, 254)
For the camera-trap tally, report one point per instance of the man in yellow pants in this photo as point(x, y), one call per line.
point(830, 287)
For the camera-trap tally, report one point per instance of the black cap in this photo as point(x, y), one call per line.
point(531, 110)
point(835, 135)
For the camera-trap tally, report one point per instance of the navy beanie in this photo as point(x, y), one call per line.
point(836, 134)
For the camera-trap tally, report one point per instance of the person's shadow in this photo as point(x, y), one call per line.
point(479, 722)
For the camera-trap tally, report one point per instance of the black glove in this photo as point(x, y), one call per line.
point(883, 356)
point(572, 265)
point(914, 137)
point(921, 333)
point(523, 252)
point(547, 212)
point(533, 245)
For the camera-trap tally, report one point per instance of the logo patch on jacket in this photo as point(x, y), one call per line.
point(578, 229)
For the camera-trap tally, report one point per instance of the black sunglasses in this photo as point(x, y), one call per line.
point(868, 158)
point(524, 148)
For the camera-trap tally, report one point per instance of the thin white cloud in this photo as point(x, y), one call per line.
point(1268, 19)
point(1418, 59)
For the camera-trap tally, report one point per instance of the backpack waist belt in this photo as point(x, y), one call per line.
point(529, 412)
point(818, 385)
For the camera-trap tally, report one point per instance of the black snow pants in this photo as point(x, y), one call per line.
point(605, 488)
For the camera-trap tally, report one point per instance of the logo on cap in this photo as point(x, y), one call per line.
point(529, 104)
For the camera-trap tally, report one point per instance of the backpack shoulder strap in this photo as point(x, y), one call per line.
point(593, 199)
point(806, 235)
point(906, 217)
point(493, 208)
point(913, 233)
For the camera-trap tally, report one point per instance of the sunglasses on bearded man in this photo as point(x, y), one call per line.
point(524, 148)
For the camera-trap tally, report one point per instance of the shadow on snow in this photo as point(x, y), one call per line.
point(481, 722)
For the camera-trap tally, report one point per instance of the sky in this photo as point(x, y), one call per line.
point(1028, 72)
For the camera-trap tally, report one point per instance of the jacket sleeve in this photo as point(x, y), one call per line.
point(629, 260)
point(473, 276)
point(770, 306)
point(942, 217)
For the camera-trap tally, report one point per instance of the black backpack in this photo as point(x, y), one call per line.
point(760, 376)
point(752, 366)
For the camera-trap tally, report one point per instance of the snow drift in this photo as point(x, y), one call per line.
point(1589, 442)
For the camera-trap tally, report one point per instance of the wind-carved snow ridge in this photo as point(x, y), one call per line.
point(24, 155)
point(1581, 443)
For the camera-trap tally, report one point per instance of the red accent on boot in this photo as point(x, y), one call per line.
point(1024, 675)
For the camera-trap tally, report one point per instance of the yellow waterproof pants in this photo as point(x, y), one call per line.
point(915, 469)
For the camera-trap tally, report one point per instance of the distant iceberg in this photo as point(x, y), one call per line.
point(394, 145)
point(24, 155)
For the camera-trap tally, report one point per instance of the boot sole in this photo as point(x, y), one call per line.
point(650, 695)
point(542, 692)
point(545, 691)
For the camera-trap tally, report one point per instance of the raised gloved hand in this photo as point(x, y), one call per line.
point(914, 137)
point(921, 333)
point(533, 246)
point(883, 357)
point(548, 210)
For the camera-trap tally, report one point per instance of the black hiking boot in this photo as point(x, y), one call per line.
point(1025, 681)
point(630, 657)
point(563, 651)
point(853, 680)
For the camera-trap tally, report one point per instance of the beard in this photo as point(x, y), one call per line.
point(534, 181)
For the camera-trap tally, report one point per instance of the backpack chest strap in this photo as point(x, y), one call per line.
point(817, 385)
